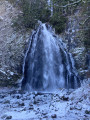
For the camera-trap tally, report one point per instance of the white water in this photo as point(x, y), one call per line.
point(50, 4)
point(47, 64)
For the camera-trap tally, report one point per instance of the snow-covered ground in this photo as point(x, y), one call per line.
point(61, 105)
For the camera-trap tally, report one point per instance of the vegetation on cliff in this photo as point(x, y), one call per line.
point(32, 11)
point(56, 13)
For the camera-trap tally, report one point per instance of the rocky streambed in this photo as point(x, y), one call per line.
point(59, 105)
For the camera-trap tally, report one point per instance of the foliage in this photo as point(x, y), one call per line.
point(32, 11)
point(87, 38)
point(86, 24)
point(58, 22)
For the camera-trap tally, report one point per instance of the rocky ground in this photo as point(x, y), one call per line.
point(59, 105)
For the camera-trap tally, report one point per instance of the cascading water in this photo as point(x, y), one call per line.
point(47, 64)
point(50, 4)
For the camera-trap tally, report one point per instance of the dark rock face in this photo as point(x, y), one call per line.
point(54, 116)
point(13, 45)
point(9, 117)
point(87, 111)
point(74, 39)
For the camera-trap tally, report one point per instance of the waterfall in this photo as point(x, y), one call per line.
point(47, 64)
point(50, 4)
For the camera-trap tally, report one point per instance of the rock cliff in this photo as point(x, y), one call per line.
point(12, 45)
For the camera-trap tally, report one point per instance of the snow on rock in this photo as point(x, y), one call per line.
point(3, 72)
point(60, 105)
point(1, 18)
point(10, 72)
point(79, 50)
point(13, 44)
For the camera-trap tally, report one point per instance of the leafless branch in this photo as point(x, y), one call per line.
point(71, 4)
point(85, 20)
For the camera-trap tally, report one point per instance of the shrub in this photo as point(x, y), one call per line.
point(87, 38)
point(58, 22)
point(34, 10)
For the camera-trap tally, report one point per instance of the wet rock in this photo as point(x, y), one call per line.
point(4, 116)
point(6, 102)
point(71, 108)
point(36, 112)
point(45, 116)
point(54, 116)
point(87, 111)
point(31, 107)
point(56, 109)
point(85, 118)
point(34, 102)
point(15, 105)
point(65, 98)
point(78, 107)
point(21, 104)
point(18, 96)
point(2, 96)
point(8, 117)
point(44, 113)
point(38, 109)
point(23, 109)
